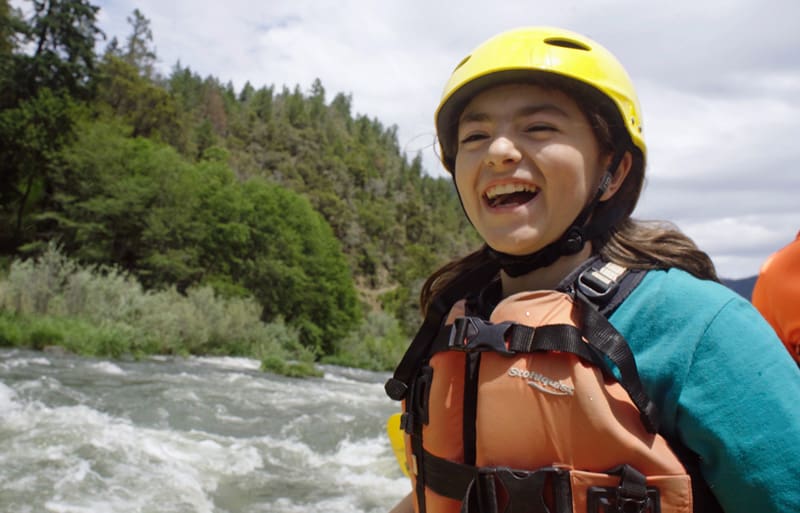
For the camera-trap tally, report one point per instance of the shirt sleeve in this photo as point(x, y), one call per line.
point(739, 410)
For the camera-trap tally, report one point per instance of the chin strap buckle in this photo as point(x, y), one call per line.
point(573, 241)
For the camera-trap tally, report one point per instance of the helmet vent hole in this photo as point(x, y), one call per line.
point(567, 43)
point(463, 61)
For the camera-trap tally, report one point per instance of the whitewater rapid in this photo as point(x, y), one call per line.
point(196, 435)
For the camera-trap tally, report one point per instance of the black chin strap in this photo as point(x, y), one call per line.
point(571, 242)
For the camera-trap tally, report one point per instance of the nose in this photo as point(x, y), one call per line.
point(502, 152)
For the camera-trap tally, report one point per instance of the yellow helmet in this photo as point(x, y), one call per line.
point(520, 55)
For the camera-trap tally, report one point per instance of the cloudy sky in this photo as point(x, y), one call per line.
point(719, 81)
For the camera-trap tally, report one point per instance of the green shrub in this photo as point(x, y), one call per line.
point(102, 311)
point(44, 336)
point(293, 369)
point(377, 344)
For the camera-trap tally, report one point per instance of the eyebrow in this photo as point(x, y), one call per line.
point(479, 116)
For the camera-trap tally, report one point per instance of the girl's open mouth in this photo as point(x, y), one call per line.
point(510, 194)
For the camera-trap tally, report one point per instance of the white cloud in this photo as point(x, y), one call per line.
point(736, 137)
point(741, 243)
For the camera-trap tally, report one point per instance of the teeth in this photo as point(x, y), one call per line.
point(508, 188)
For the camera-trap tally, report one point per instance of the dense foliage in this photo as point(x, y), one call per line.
point(52, 302)
point(271, 193)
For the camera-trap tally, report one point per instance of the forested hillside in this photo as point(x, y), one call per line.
point(272, 192)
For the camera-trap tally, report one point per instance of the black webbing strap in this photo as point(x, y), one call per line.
point(419, 349)
point(631, 494)
point(419, 453)
point(477, 487)
point(602, 336)
point(397, 386)
point(472, 334)
point(447, 478)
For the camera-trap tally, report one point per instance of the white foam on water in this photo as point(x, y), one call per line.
point(284, 454)
point(107, 368)
point(227, 362)
point(338, 378)
point(19, 362)
point(7, 399)
point(344, 504)
point(358, 397)
point(292, 453)
point(360, 475)
point(368, 461)
point(91, 461)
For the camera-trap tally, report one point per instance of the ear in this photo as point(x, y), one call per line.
point(619, 176)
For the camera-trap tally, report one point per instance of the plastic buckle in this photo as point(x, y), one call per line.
point(512, 491)
point(471, 334)
point(600, 283)
point(614, 500)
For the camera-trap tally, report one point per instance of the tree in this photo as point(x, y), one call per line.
point(247, 92)
point(128, 202)
point(10, 25)
point(138, 51)
point(30, 137)
point(214, 107)
point(62, 34)
point(269, 240)
point(49, 71)
point(139, 205)
point(147, 107)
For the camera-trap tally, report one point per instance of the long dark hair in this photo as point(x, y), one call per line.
point(629, 242)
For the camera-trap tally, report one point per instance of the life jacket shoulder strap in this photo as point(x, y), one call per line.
point(398, 385)
point(604, 285)
point(604, 346)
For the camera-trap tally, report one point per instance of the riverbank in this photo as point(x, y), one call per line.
point(90, 311)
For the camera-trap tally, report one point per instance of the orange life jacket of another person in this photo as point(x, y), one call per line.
point(538, 409)
point(776, 295)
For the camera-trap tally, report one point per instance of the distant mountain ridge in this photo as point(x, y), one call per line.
point(743, 286)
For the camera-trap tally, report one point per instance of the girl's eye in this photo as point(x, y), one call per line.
point(539, 128)
point(472, 137)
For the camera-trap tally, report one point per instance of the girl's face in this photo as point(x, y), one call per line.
point(527, 163)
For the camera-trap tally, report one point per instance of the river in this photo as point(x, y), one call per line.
point(194, 435)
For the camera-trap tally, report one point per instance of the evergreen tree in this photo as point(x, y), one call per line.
point(50, 69)
point(139, 51)
point(146, 107)
point(62, 35)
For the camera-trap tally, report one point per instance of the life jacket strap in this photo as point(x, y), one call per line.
point(631, 496)
point(603, 337)
point(524, 491)
point(605, 344)
point(478, 488)
point(398, 385)
point(473, 334)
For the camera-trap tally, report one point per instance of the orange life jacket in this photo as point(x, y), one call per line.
point(776, 294)
point(522, 413)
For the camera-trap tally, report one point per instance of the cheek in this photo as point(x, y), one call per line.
point(465, 191)
point(569, 171)
point(463, 179)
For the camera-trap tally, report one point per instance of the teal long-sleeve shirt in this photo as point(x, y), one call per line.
point(724, 384)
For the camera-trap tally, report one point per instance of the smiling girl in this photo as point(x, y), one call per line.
point(581, 360)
